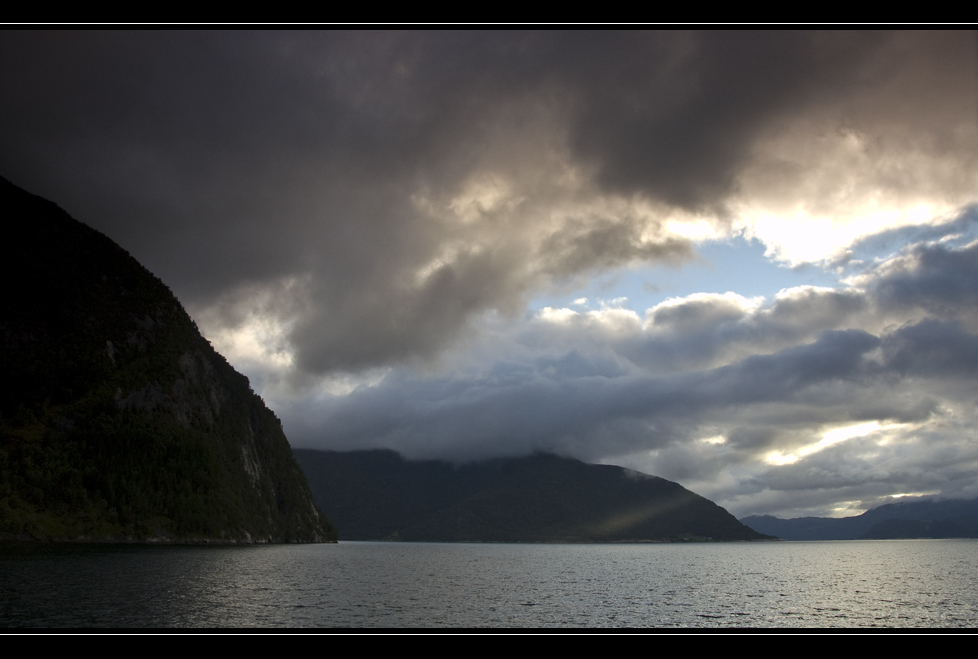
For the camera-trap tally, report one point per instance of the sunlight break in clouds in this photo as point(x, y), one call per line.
point(829, 438)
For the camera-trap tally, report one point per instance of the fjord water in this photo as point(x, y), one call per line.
point(898, 583)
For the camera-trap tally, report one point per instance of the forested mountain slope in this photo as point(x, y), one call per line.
point(378, 495)
point(118, 420)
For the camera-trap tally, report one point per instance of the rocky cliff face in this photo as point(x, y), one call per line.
point(118, 420)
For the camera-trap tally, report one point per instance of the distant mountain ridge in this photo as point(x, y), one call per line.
point(378, 495)
point(952, 518)
point(118, 420)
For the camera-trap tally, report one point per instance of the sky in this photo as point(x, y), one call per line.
point(743, 261)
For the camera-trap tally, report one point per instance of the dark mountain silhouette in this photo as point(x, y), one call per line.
point(378, 495)
point(953, 518)
point(118, 420)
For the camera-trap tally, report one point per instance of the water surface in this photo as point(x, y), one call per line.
point(899, 583)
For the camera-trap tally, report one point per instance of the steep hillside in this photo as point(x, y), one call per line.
point(377, 495)
point(118, 420)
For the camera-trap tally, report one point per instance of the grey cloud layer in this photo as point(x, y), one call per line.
point(381, 190)
point(648, 394)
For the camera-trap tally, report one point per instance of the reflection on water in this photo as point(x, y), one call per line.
point(900, 583)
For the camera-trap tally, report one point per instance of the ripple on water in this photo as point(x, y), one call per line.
point(376, 585)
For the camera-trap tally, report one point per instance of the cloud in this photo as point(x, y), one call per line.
point(413, 181)
point(787, 405)
point(930, 277)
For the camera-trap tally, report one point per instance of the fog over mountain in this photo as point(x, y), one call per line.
point(743, 261)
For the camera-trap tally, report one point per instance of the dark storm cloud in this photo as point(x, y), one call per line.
point(381, 190)
point(934, 278)
point(932, 348)
point(708, 330)
point(682, 129)
point(585, 245)
point(526, 407)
